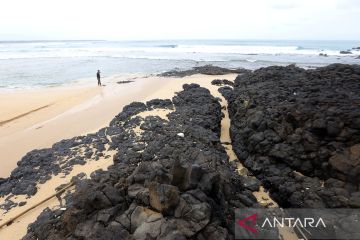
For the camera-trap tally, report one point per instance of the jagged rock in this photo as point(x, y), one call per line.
point(25, 187)
point(137, 191)
point(348, 163)
point(142, 215)
point(207, 70)
point(192, 215)
point(214, 232)
point(292, 131)
point(345, 52)
point(159, 103)
point(163, 197)
point(186, 177)
point(8, 204)
point(129, 110)
point(218, 82)
point(161, 186)
point(251, 183)
point(225, 91)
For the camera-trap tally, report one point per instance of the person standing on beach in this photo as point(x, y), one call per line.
point(98, 77)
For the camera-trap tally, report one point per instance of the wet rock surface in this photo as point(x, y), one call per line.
point(207, 70)
point(298, 131)
point(172, 181)
point(345, 52)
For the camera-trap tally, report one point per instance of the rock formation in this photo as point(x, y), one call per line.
point(295, 130)
point(163, 185)
point(346, 52)
point(207, 70)
point(298, 131)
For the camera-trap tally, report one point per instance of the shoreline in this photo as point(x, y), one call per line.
point(70, 108)
point(26, 124)
point(76, 83)
point(155, 87)
point(179, 126)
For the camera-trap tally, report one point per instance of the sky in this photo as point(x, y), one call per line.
point(179, 19)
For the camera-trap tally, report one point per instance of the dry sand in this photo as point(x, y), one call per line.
point(70, 111)
point(19, 227)
point(39, 118)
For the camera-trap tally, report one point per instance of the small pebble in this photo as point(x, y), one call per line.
point(181, 134)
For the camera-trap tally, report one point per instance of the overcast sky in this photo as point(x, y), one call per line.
point(180, 19)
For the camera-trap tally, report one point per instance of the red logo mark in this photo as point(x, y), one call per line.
point(251, 218)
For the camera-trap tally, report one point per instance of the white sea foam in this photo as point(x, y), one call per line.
point(52, 50)
point(36, 64)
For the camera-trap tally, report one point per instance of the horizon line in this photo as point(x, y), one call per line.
point(185, 39)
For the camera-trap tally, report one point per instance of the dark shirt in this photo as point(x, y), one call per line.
point(98, 75)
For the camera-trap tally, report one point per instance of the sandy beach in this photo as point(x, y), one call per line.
point(43, 117)
point(128, 120)
point(205, 126)
point(36, 119)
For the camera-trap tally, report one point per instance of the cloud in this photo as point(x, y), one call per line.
point(179, 19)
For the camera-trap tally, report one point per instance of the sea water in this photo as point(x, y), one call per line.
point(32, 64)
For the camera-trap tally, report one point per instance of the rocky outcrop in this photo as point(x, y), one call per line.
point(346, 52)
point(173, 181)
point(38, 166)
point(219, 82)
point(298, 131)
point(207, 70)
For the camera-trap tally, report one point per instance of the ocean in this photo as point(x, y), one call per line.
point(34, 64)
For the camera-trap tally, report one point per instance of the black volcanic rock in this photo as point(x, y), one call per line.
point(207, 70)
point(225, 91)
point(159, 103)
point(219, 82)
point(346, 52)
point(177, 185)
point(295, 128)
point(38, 166)
point(297, 131)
